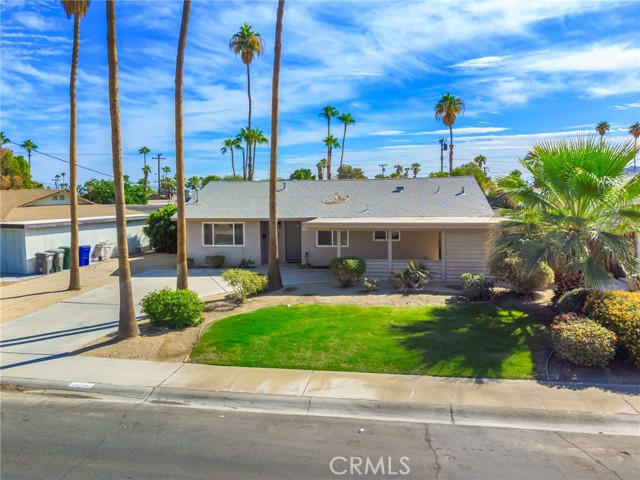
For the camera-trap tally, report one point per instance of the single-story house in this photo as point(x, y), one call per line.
point(441, 222)
point(36, 220)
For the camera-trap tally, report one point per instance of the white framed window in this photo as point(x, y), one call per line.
point(381, 236)
point(223, 234)
point(329, 238)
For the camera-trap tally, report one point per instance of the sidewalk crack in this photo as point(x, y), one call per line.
point(427, 440)
point(588, 455)
point(453, 420)
point(628, 403)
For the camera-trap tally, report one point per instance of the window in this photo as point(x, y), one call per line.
point(381, 236)
point(223, 234)
point(329, 238)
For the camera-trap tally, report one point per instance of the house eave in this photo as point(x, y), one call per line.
point(401, 223)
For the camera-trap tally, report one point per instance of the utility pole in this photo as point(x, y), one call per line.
point(443, 147)
point(382, 166)
point(159, 157)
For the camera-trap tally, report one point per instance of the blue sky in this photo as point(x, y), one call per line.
point(527, 71)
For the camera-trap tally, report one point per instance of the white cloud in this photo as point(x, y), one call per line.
point(626, 106)
point(385, 133)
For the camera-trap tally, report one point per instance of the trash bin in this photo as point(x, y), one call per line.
point(85, 252)
point(58, 258)
point(44, 263)
point(67, 257)
point(107, 246)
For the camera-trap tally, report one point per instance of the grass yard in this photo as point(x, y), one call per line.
point(457, 341)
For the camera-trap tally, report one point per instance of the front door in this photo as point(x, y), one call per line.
point(293, 241)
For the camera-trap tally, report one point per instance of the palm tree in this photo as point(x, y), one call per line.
point(328, 112)
point(194, 182)
point(146, 171)
point(275, 279)
point(243, 136)
point(635, 131)
point(4, 139)
point(416, 169)
point(28, 145)
point(578, 215)
point(258, 138)
point(127, 325)
point(228, 145)
point(480, 160)
point(56, 180)
point(331, 142)
point(447, 109)
point(77, 8)
point(248, 44)
point(321, 165)
point(602, 128)
point(167, 187)
point(182, 274)
point(399, 169)
point(63, 174)
point(346, 119)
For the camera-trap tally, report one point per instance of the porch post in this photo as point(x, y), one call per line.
point(389, 252)
point(443, 254)
point(339, 238)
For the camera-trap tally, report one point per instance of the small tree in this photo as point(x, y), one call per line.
point(302, 174)
point(162, 231)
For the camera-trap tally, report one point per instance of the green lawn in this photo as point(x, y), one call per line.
point(458, 341)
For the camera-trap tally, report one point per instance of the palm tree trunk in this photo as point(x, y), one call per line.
point(329, 151)
point(253, 159)
point(344, 135)
point(450, 149)
point(233, 166)
point(249, 168)
point(74, 261)
point(182, 271)
point(127, 325)
point(275, 279)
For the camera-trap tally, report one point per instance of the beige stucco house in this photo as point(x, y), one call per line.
point(442, 222)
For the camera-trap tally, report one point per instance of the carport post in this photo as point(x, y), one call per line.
point(389, 252)
point(339, 239)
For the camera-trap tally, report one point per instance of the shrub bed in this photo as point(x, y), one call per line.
point(476, 287)
point(348, 269)
point(510, 270)
point(214, 261)
point(174, 309)
point(244, 283)
point(581, 341)
point(572, 301)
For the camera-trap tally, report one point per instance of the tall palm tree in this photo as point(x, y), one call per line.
point(167, 186)
point(243, 136)
point(447, 109)
point(635, 131)
point(63, 174)
point(127, 325)
point(416, 169)
point(146, 171)
point(228, 145)
point(578, 215)
point(602, 128)
point(4, 139)
point(258, 138)
point(275, 279)
point(346, 119)
point(143, 150)
point(56, 180)
point(328, 112)
point(480, 160)
point(331, 142)
point(248, 44)
point(182, 271)
point(321, 165)
point(28, 145)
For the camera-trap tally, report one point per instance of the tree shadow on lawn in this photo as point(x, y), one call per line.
point(473, 341)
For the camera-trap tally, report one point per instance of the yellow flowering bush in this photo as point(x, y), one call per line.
point(618, 311)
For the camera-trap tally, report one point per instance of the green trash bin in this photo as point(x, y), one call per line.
point(67, 257)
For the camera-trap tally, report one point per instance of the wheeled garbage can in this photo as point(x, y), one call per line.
point(67, 257)
point(58, 258)
point(44, 263)
point(85, 252)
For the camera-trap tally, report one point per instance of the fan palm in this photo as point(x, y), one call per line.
point(579, 215)
point(127, 324)
point(416, 169)
point(602, 128)
point(321, 165)
point(146, 171)
point(258, 138)
point(28, 145)
point(248, 44)
point(480, 160)
point(144, 151)
point(275, 278)
point(346, 119)
point(243, 136)
point(399, 169)
point(228, 146)
point(447, 109)
point(4, 139)
point(331, 142)
point(635, 131)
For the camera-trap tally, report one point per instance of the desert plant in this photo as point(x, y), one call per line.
point(214, 261)
point(246, 263)
point(583, 342)
point(371, 284)
point(411, 278)
point(619, 312)
point(348, 269)
point(572, 301)
point(523, 282)
point(476, 287)
point(244, 283)
point(173, 308)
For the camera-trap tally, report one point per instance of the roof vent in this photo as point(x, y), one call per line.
point(438, 190)
point(284, 185)
point(461, 192)
point(399, 189)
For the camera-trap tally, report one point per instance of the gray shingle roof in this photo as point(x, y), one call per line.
point(420, 197)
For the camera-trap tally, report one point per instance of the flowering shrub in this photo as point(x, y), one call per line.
point(581, 341)
point(620, 312)
point(572, 301)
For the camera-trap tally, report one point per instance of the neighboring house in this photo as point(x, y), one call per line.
point(36, 220)
point(442, 222)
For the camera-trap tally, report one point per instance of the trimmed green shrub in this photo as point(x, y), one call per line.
point(476, 287)
point(510, 270)
point(348, 269)
point(618, 311)
point(411, 278)
point(572, 301)
point(583, 342)
point(370, 284)
point(173, 308)
point(162, 232)
point(246, 263)
point(244, 283)
point(214, 261)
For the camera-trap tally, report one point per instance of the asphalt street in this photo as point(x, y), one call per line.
point(68, 436)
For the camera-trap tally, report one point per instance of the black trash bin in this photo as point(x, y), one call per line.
point(58, 258)
point(44, 263)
